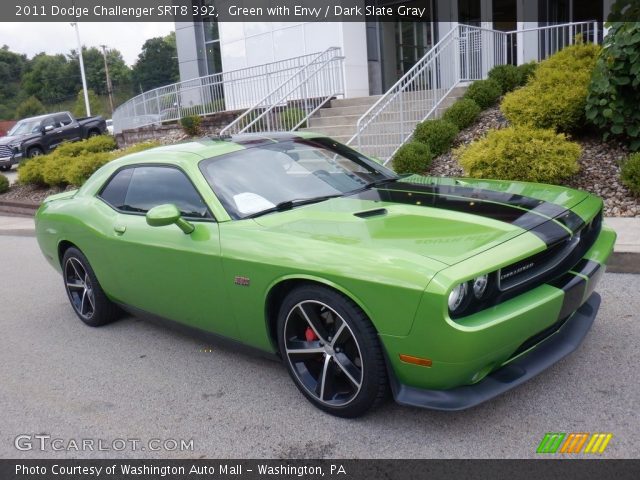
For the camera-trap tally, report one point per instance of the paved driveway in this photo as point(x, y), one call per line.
point(135, 380)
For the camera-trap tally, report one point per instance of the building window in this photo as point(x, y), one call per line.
point(211, 42)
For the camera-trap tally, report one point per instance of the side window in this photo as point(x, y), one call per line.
point(63, 119)
point(115, 192)
point(153, 186)
point(49, 122)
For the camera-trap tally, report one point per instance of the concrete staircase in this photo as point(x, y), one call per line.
point(339, 119)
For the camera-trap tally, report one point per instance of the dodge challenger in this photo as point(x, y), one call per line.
point(443, 291)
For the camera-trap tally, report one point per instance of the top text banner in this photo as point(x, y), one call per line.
point(222, 10)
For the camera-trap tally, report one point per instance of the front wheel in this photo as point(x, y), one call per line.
point(34, 152)
point(331, 351)
point(87, 298)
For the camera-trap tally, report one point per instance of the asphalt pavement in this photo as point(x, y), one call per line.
point(134, 380)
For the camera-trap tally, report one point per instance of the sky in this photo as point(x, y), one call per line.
point(128, 37)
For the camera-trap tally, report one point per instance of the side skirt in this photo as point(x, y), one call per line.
point(199, 334)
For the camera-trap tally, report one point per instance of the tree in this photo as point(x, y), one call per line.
point(157, 64)
point(12, 66)
point(51, 78)
point(95, 104)
point(30, 108)
point(93, 59)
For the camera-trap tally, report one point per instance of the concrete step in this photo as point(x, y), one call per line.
point(356, 101)
point(337, 120)
point(358, 110)
point(333, 131)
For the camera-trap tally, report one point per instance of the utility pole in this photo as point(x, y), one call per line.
point(106, 71)
point(84, 78)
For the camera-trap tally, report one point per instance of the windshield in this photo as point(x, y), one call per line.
point(23, 127)
point(264, 176)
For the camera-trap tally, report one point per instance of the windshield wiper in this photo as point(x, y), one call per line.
point(289, 204)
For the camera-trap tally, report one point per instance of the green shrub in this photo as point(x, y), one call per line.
point(81, 168)
point(509, 77)
point(99, 143)
point(290, 117)
point(414, 157)
point(4, 183)
point(138, 147)
point(191, 125)
point(53, 169)
point(521, 153)
point(526, 71)
point(484, 92)
point(462, 113)
point(556, 95)
point(438, 135)
point(631, 174)
point(30, 171)
point(614, 91)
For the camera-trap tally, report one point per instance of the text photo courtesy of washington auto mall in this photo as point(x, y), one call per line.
point(359, 239)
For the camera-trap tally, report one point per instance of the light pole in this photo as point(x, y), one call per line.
point(106, 70)
point(84, 78)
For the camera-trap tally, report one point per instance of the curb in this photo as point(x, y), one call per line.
point(18, 209)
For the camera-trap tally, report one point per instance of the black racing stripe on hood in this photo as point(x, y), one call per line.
point(547, 230)
point(561, 214)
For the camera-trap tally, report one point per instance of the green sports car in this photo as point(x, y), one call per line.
point(446, 292)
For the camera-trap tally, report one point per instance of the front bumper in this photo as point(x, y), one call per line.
point(11, 160)
point(524, 367)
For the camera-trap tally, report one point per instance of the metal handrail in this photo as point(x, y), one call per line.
point(289, 105)
point(465, 53)
point(231, 90)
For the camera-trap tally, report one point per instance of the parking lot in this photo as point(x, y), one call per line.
point(136, 380)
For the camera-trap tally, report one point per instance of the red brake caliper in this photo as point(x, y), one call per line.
point(310, 335)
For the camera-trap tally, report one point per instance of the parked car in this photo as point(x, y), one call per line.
point(35, 136)
point(445, 291)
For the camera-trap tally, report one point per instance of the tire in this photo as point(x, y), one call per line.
point(331, 351)
point(5, 168)
point(87, 298)
point(93, 133)
point(34, 152)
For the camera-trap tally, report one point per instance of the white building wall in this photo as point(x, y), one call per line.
point(250, 44)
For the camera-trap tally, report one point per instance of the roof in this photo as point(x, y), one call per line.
point(208, 147)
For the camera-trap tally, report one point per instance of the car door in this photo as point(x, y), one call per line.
point(69, 129)
point(161, 270)
point(52, 133)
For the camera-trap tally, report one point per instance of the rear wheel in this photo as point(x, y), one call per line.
point(85, 294)
point(4, 168)
point(93, 133)
point(332, 351)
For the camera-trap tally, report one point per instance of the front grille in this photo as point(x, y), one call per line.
point(556, 260)
point(5, 151)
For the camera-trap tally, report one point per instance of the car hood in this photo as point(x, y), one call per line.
point(448, 220)
point(14, 139)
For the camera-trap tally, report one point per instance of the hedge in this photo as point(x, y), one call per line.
point(414, 157)
point(556, 96)
point(521, 153)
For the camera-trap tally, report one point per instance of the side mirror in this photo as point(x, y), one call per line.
point(47, 128)
point(168, 214)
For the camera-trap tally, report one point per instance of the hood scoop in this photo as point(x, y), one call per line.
point(377, 212)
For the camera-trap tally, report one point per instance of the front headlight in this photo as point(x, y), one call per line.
point(471, 296)
point(457, 297)
point(480, 285)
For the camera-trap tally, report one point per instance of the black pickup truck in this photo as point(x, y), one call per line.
point(39, 135)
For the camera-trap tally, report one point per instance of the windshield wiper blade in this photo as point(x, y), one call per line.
point(289, 204)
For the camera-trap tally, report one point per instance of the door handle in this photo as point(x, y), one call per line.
point(119, 229)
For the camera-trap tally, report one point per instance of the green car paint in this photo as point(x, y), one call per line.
point(399, 266)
